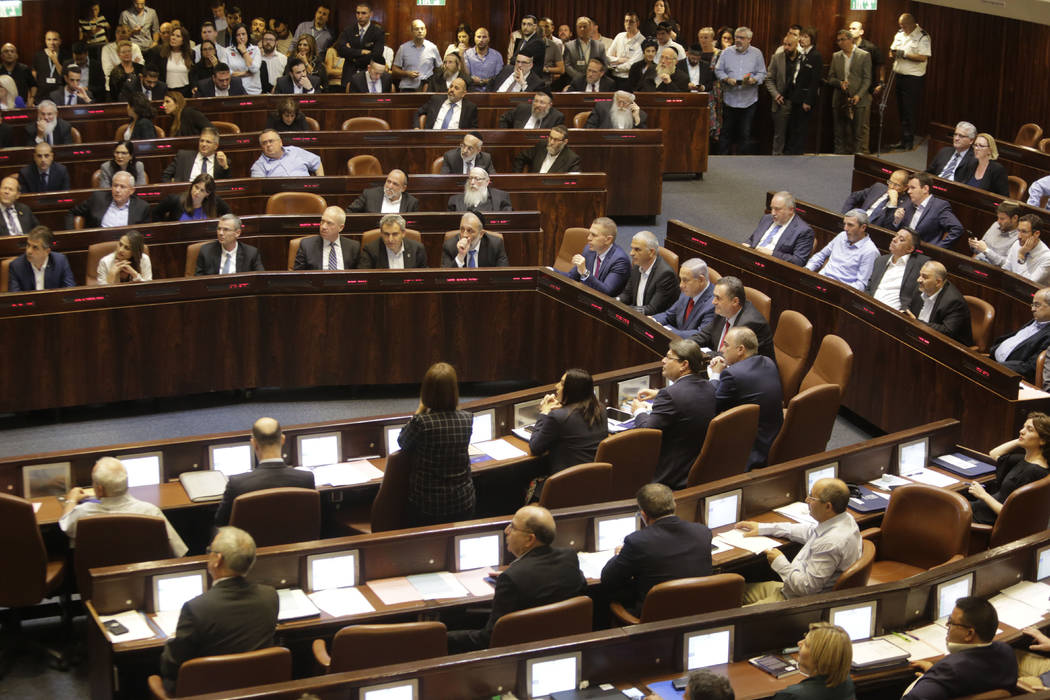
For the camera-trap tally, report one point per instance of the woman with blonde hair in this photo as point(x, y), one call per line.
point(988, 175)
point(825, 655)
point(9, 97)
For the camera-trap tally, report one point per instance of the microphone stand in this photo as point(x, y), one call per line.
point(882, 108)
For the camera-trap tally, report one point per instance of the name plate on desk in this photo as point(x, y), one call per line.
point(383, 136)
point(290, 282)
point(814, 283)
point(331, 281)
point(864, 308)
point(157, 291)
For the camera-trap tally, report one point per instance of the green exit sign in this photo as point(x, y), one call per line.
point(863, 4)
point(430, 3)
point(10, 8)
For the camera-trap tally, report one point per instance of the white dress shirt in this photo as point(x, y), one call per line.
point(326, 254)
point(928, 302)
point(889, 289)
point(389, 207)
point(232, 255)
point(643, 278)
point(440, 119)
point(396, 261)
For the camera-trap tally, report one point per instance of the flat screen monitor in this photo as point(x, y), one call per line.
point(911, 456)
point(332, 570)
point(478, 551)
point(858, 620)
point(40, 480)
point(827, 471)
point(145, 469)
point(945, 594)
point(723, 509)
point(170, 591)
point(610, 530)
point(629, 388)
point(231, 458)
point(552, 674)
point(526, 413)
point(320, 450)
point(398, 690)
point(1042, 564)
point(390, 435)
point(707, 648)
point(484, 426)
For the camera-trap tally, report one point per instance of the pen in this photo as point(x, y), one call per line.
point(903, 635)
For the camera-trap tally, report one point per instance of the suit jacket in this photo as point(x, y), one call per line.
point(94, 208)
point(359, 82)
point(350, 44)
point(61, 136)
point(468, 118)
point(206, 87)
point(57, 178)
point(859, 76)
point(667, 549)
point(910, 283)
point(575, 65)
point(371, 200)
point(967, 672)
point(233, 616)
point(491, 252)
point(749, 316)
point(950, 315)
point(796, 241)
point(756, 380)
point(157, 92)
point(534, 46)
point(57, 274)
point(531, 160)
point(567, 438)
point(612, 275)
point(374, 255)
point(270, 474)
point(498, 201)
point(26, 219)
point(995, 179)
point(453, 162)
point(284, 85)
point(533, 82)
point(309, 256)
point(660, 291)
point(802, 90)
point(209, 258)
point(679, 81)
point(179, 169)
point(579, 84)
point(682, 411)
point(1022, 358)
point(600, 118)
point(703, 313)
point(518, 117)
point(938, 224)
point(866, 198)
point(170, 208)
point(963, 171)
point(58, 96)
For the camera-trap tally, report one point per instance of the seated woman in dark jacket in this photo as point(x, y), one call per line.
point(571, 423)
point(288, 117)
point(142, 115)
point(988, 175)
point(1018, 462)
point(199, 201)
point(185, 121)
point(825, 656)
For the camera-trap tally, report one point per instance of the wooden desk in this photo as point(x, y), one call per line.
point(1029, 164)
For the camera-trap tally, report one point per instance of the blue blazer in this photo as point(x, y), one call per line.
point(703, 313)
point(682, 411)
point(57, 274)
point(938, 225)
point(613, 276)
point(968, 671)
point(863, 199)
point(796, 241)
point(754, 380)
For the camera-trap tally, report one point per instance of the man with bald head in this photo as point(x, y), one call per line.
point(782, 233)
point(44, 174)
point(473, 247)
point(270, 472)
point(16, 219)
point(449, 111)
point(539, 575)
point(1020, 350)
point(330, 249)
point(468, 155)
point(581, 50)
point(391, 198)
point(940, 305)
point(117, 206)
point(665, 75)
point(911, 51)
point(478, 195)
point(879, 201)
point(652, 286)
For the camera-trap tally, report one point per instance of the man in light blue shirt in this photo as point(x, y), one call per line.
point(741, 69)
point(416, 60)
point(851, 255)
point(278, 160)
point(1020, 350)
point(484, 63)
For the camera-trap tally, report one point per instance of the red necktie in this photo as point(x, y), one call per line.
point(722, 342)
point(688, 310)
point(597, 265)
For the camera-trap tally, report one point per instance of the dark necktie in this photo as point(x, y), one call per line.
point(12, 222)
point(43, 181)
point(204, 165)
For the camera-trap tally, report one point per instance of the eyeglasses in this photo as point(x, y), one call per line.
point(512, 526)
point(951, 623)
point(672, 358)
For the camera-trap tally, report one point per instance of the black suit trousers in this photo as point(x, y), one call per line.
point(909, 100)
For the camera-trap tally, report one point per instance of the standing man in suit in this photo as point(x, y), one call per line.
point(602, 265)
point(469, 155)
point(733, 309)
point(895, 275)
point(849, 78)
point(71, 92)
point(592, 80)
point(701, 76)
point(581, 50)
point(16, 219)
point(1020, 350)
point(666, 548)
point(450, 112)
point(477, 195)
point(555, 156)
point(517, 76)
point(879, 201)
point(531, 44)
point(91, 76)
point(682, 410)
point(474, 247)
point(270, 472)
point(538, 115)
point(373, 79)
point(221, 84)
point(781, 233)
point(622, 113)
point(956, 162)
point(391, 198)
point(930, 217)
point(117, 207)
point(652, 286)
point(232, 616)
point(43, 174)
point(792, 83)
point(226, 256)
point(299, 80)
point(392, 250)
point(694, 308)
point(360, 43)
point(49, 127)
point(38, 268)
point(329, 250)
point(539, 575)
point(940, 305)
point(742, 376)
point(206, 159)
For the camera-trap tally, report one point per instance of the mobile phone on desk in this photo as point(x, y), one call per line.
point(115, 628)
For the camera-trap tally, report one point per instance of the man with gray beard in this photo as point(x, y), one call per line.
point(622, 113)
point(49, 127)
point(665, 76)
point(478, 195)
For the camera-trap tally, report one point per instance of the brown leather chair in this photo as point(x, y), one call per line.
point(1017, 186)
point(296, 203)
point(112, 540)
point(686, 596)
point(670, 257)
point(759, 300)
point(78, 222)
point(5, 273)
point(96, 178)
point(633, 455)
point(1044, 145)
point(580, 120)
point(727, 445)
point(373, 233)
point(580, 485)
point(365, 124)
point(832, 365)
point(366, 164)
point(1040, 361)
point(808, 421)
point(1025, 512)
point(119, 134)
point(367, 646)
point(278, 516)
point(982, 318)
point(857, 575)
point(713, 276)
point(567, 617)
point(227, 128)
point(312, 123)
point(924, 526)
point(193, 251)
point(214, 674)
point(1028, 135)
point(435, 165)
point(75, 134)
point(95, 252)
point(573, 241)
point(388, 510)
point(791, 345)
point(293, 250)
point(996, 694)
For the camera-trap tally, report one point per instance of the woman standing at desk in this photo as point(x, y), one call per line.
point(1018, 462)
point(440, 488)
point(825, 655)
point(571, 423)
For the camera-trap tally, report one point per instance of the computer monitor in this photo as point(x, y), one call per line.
point(1042, 563)
point(827, 471)
point(858, 620)
point(610, 530)
point(231, 458)
point(145, 469)
point(629, 388)
point(705, 648)
point(945, 594)
point(40, 480)
point(390, 435)
point(722, 509)
point(552, 674)
point(170, 591)
point(484, 427)
point(332, 570)
point(478, 551)
point(526, 413)
point(911, 456)
point(398, 690)
point(320, 450)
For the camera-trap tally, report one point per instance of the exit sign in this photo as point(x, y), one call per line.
point(10, 8)
point(430, 3)
point(863, 4)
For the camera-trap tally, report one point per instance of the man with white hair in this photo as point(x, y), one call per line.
point(956, 162)
point(622, 113)
point(741, 69)
point(539, 114)
point(116, 207)
point(49, 127)
point(391, 198)
point(694, 308)
point(581, 50)
point(474, 247)
point(478, 195)
point(652, 286)
point(109, 479)
point(329, 250)
point(665, 75)
point(468, 155)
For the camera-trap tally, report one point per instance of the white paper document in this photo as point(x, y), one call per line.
point(167, 620)
point(500, 449)
point(1014, 612)
point(933, 635)
point(474, 581)
point(755, 545)
point(394, 590)
point(718, 546)
point(956, 462)
point(346, 473)
point(888, 481)
point(340, 602)
point(1034, 593)
point(928, 476)
point(874, 652)
point(134, 621)
point(797, 511)
point(916, 648)
point(294, 605)
point(442, 584)
point(592, 563)
point(522, 433)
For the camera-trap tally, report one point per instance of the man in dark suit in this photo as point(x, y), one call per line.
point(271, 472)
point(701, 75)
point(694, 308)
point(231, 617)
point(733, 309)
point(940, 305)
point(360, 43)
point(743, 376)
point(374, 79)
point(1020, 350)
point(880, 200)
point(537, 115)
point(392, 250)
point(579, 51)
point(593, 79)
point(207, 159)
point(16, 219)
point(49, 127)
point(468, 155)
point(517, 76)
point(43, 174)
point(450, 112)
point(895, 276)
point(781, 233)
point(622, 113)
point(478, 195)
point(682, 410)
point(117, 207)
point(148, 83)
point(664, 75)
point(70, 93)
point(531, 43)
point(652, 286)
point(539, 575)
point(225, 255)
point(329, 250)
point(392, 197)
point(555, 156)
point(299, 80)
point(474, 247)
point(602, 265)
point(930, 217)
point(221, 84)
point(956, 162)
point(666, 548)
point(792, 83)
point(53, 268)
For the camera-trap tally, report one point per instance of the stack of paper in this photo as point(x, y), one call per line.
point(1033, 593)
point(442, 584)
point(346, 473)
point(933, 635)
point(474, 581)
point(134, 621)
point(928, 476)
point(916, 648)
point(875, 653)
point(1015, 613)
point(797, 511)
point(499, 449)
point(887, 481)
point(592, 563)
point(340, 602)
point(755, 545)
point(718, 546)
point(294, 605)
point(167, 620)
point(393, 591)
